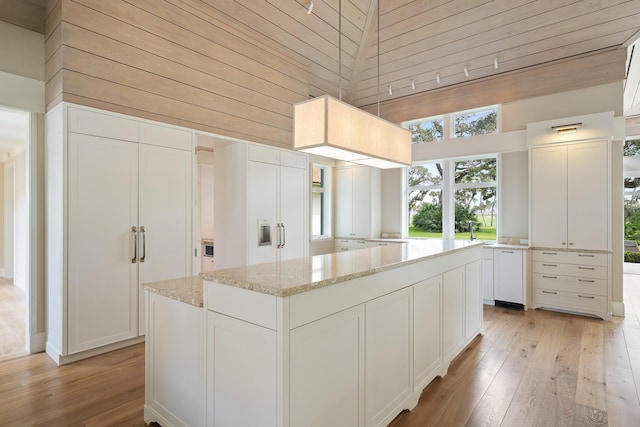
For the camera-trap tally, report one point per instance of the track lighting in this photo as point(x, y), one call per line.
point(310, 8)
point(466, 71)
point(495, 63)
point(438, 78)
point(390, 90)
point(413, 84)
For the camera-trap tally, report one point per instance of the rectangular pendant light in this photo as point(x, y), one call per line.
point(328, 127)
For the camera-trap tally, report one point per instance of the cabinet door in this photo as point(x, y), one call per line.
point(327, 371)
point(293, 212)
point(344, 203)
point(362, 202)
point(549, 197)
point(507, 276)
point(103, 206)
point(427, 354)
point(262, 201)
point(453, 298)
point(472, 299)
point(388, 355)
point(165, 213)
point(588, 207)
point(241, 367)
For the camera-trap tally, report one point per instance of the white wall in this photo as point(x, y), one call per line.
point(20, 220)
point(513, 195)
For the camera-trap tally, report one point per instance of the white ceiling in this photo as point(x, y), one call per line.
point(14, 131)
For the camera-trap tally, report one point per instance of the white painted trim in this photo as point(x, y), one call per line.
point(38, 342)
point(21, 92)
point(617, 308)
point(63, 360)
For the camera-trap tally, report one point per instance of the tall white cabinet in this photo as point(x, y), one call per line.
point(261, 205)
point(570, 229)
point(119, 204)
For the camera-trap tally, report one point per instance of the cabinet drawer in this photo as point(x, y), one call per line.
point(570, 300)
point(585, 258)
point(554, 268)
point(487, 253)
point(570, 284)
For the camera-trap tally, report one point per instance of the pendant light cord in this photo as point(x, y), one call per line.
point(340, 49)
point(378, 43)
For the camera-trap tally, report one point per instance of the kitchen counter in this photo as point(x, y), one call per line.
point(291, 277)
point(186, 289)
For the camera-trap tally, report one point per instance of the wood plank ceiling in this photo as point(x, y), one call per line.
point(423, 41)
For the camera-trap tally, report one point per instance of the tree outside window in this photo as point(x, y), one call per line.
point(475, 123)
point(632, 206)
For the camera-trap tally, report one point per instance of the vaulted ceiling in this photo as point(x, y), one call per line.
point(425, 45)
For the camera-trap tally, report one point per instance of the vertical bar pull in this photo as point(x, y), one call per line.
point(135, 245)
point(284, 235)
point(144, 243)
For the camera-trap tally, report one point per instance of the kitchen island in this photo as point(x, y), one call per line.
point(344, 339)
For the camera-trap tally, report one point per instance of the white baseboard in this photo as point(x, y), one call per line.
point(617, 308)
point(63, 360)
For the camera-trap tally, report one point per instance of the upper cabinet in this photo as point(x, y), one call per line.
point(358, 202)
point(569, 196)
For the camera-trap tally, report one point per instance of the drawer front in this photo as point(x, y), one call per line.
point(487, 253)
point(569, 284)
point(570, 300)
point(584, 258)
point(351, 243)
point(555, 268)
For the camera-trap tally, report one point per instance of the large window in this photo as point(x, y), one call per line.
point(426, 130)
point(469, 185)
point(475, 122)
point(632, 201)
point(320, 202)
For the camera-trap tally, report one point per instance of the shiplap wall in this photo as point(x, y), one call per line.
point(27, 14)
point(174, 61)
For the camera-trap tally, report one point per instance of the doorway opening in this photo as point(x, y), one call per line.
point(14, 232)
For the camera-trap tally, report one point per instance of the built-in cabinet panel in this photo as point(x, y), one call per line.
point(427, 333)
point(388, 355)
point(508, 278)
point(358, 207)
point(452, 311)
point(241, 361)
point(102, 208)
point(261, 210)
point(329, 355)
point(569, 196)
point(472, 299)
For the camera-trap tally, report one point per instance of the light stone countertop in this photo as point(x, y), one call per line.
point(286, 278)
point(186, 289)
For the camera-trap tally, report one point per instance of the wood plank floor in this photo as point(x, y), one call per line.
point(12, 315)
point(537, 368)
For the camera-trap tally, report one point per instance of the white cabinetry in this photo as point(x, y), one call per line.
point(508, 275)
point(342, 245)
point(427, 331)
point(570, 197)
point(327, 371)
point(452, 312)
point(175, 383)
point(261, 211)
point(487, 276)
point(388, 325)
point(358, 202)
point(572, 281)
point(472, 299)
point(124, 187)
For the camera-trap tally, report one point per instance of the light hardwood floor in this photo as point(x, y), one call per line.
point(535, 368)
point(12, 309)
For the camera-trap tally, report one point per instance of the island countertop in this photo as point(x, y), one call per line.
point(286, 278)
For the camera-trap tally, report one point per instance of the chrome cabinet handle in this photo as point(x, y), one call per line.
point(144, 243)
point(586, 296)
point(586, 281)
point(550, 265)
point(549, 253)
point(135, 245)
point(586, 268)
point(284, 235)
point(586, 255)
point(549, 292)
point(550, 277)
point(507, 252)
point(280, 244)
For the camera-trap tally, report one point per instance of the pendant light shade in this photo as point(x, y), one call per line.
point(328, 127)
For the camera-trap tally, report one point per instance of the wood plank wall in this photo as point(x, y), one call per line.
point(175, 61)
point(594, 69)
point(27, 14)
